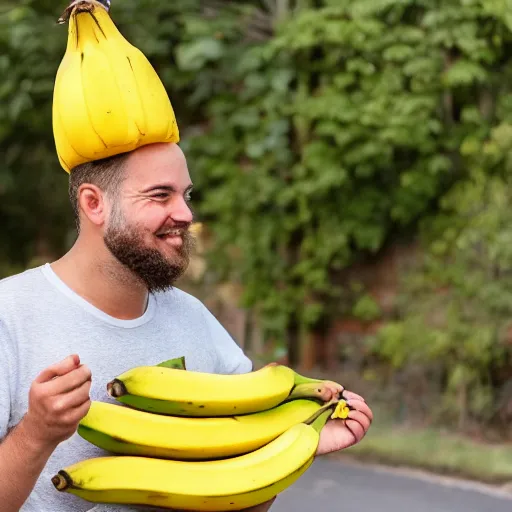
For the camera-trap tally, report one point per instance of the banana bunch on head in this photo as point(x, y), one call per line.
point(201, 442)
point(108, 99)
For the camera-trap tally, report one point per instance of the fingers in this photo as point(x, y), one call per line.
point(58, 400)
point(70, 381)
point(73, 416)
point(363, 407)
point(349, 395)
point(75, 399)
point(62, 368)
point(356, 429)
point(360, 418)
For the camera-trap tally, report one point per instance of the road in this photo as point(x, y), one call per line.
point(332, 486)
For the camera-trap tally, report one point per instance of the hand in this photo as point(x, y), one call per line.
point(58, 400)
point(340, 434)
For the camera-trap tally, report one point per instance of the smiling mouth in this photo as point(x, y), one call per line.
point(170, 233)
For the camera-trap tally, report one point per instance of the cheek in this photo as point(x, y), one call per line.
point(151, 218)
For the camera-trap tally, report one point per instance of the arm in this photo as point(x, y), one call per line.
point(22, 459)
point(58, 399)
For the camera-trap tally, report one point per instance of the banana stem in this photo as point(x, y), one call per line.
point(320, 417)
point(320, 422)
point(82, 6)
point(307, 390)
point(321, 391)
point(301, 379)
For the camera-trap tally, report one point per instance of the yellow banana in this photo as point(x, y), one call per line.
point(191, 393)
point(108, 99)
point(219, 485)
point(122, 430)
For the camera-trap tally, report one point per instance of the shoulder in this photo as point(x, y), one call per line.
point(22, 296)
point(18, 293)
point(22, 286)
point(21, 278)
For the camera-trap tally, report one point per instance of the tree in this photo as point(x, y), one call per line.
point(329, 132)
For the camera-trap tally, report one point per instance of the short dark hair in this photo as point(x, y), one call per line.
point(107, 174)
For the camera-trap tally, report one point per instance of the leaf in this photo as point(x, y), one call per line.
point(281, 80)
point(367, 309)
point(464, 72)
point(195, 55)
point(399, 53)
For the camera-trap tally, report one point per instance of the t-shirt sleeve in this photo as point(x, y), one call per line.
point(6, 365)
point(231, 358)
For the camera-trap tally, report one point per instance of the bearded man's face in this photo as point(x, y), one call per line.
point(148, 228)
point(158, 267)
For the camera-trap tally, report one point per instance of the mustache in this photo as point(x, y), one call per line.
point(181, 229)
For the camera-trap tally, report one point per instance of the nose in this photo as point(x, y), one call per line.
point(181, 212)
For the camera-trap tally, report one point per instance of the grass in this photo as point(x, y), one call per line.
point(435, 451)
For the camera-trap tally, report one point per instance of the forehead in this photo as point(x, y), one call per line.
point(157, 164)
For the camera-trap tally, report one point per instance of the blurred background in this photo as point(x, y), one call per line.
point(352, 163)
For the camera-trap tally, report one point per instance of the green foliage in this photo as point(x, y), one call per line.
point(31, 195)
point(366, 308)
point(456, 309)
point(337, 128)
point(316, 133)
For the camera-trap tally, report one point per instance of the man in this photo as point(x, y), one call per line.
point(109, 304)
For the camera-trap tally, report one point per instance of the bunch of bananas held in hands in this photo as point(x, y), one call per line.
point(188, 440)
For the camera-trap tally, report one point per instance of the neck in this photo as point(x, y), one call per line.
point(93, 273)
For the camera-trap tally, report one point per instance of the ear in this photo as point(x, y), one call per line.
point(91, 203)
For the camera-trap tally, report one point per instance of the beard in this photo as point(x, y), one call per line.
point(157, 272)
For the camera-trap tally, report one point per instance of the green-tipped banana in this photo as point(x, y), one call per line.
point(189, 393)
point(122, 430)
point(220, 485)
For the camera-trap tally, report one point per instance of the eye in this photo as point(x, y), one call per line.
point(188, 196)
point(161, 195)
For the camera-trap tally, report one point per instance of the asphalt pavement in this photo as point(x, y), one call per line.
point(332, 486)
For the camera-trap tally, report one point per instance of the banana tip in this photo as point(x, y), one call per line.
point(116, 388)
point(61, 481)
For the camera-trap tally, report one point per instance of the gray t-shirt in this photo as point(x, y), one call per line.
point(42, 321)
